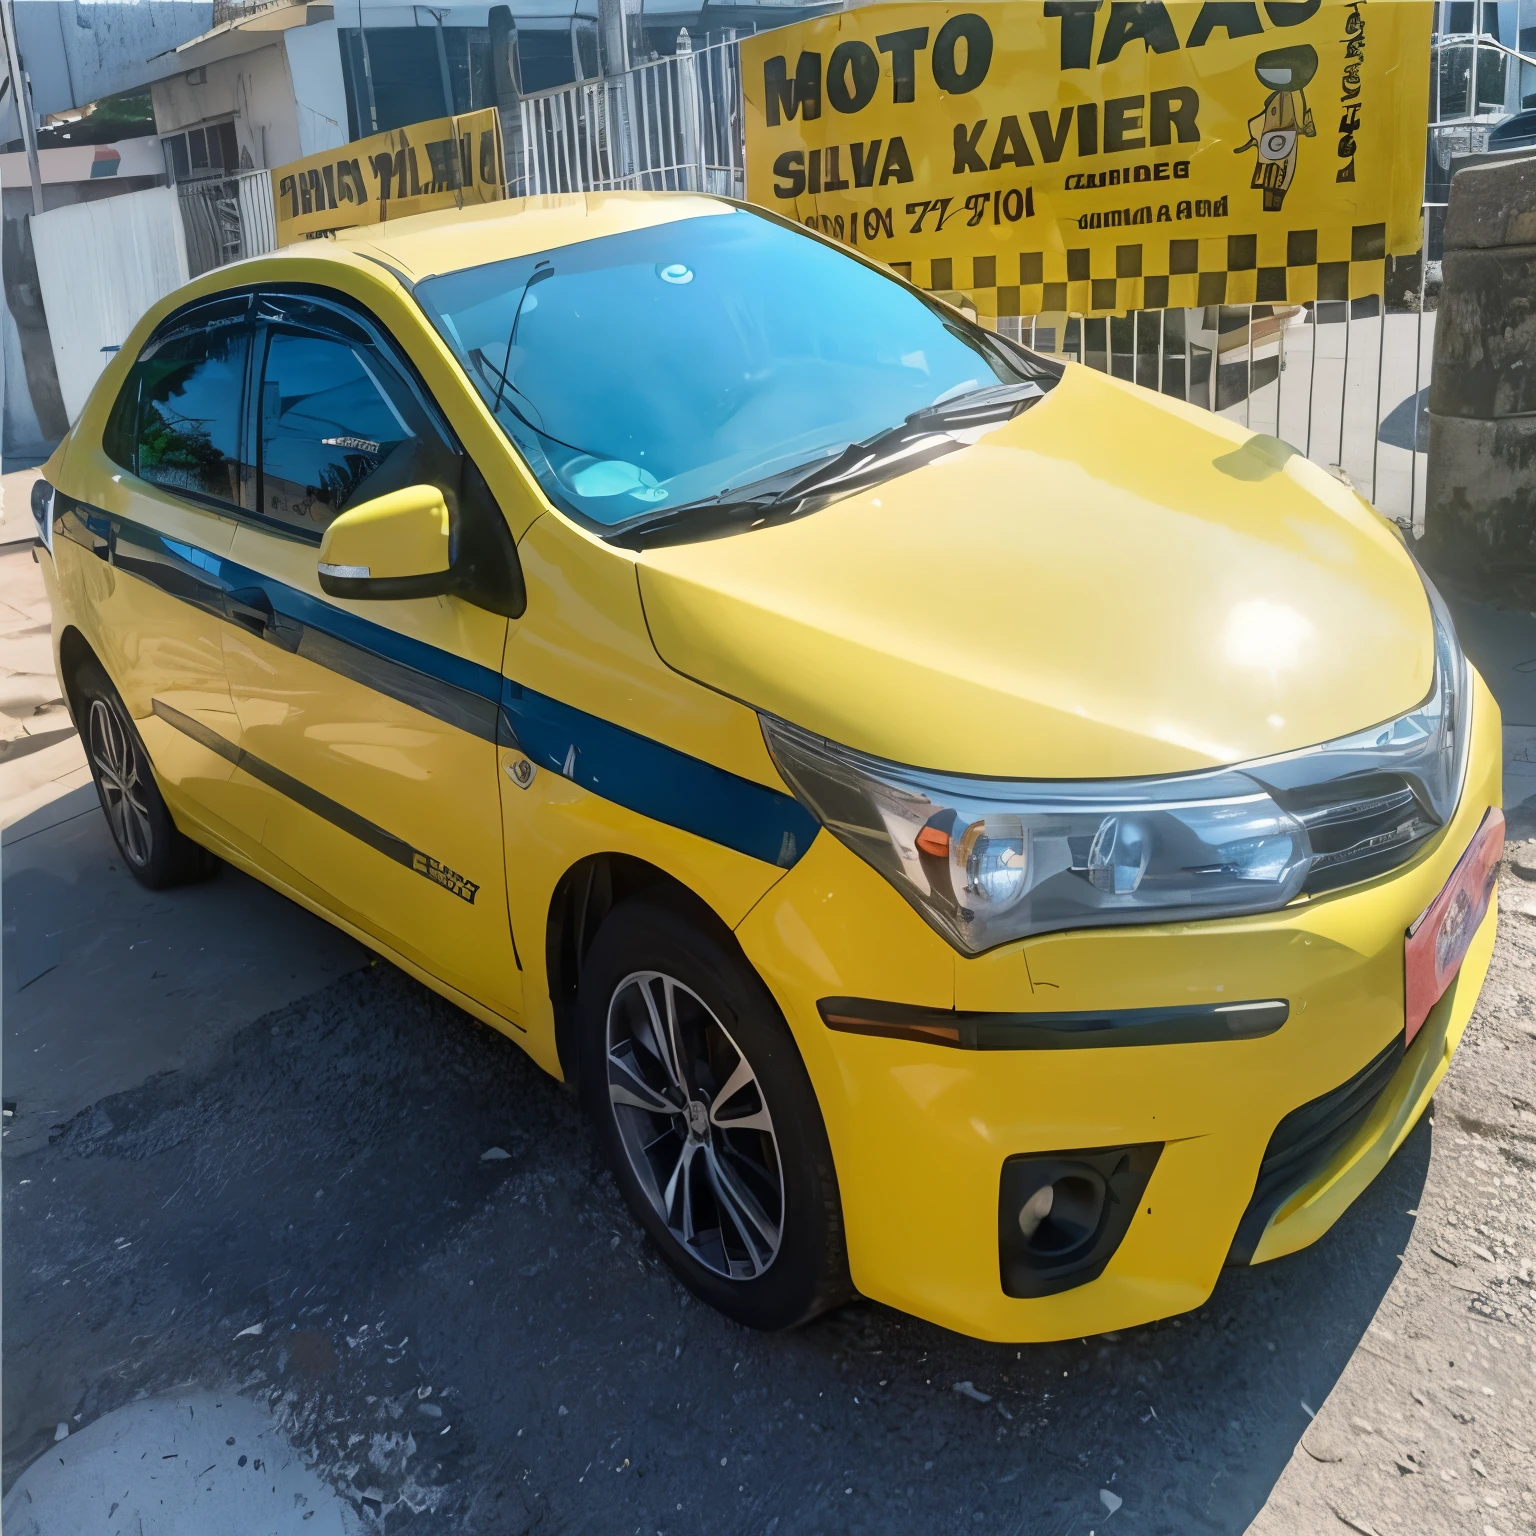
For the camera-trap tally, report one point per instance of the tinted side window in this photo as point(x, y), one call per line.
point(190, 390)
point(332, 416)
point(118, 436)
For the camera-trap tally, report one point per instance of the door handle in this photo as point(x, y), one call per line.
point(251, 607)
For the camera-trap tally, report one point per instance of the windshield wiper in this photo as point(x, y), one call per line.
point(924, 435)
point(992, 402)
point(541, 273)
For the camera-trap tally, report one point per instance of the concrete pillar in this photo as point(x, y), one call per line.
point(619, 35)
point(504, 78)
point(612, 45)
point(21, 94)
point(1480, 509)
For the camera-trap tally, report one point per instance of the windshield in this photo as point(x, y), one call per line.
point(644, 371)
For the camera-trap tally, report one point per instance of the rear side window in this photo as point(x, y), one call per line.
point(332, 416)
point(177, 423)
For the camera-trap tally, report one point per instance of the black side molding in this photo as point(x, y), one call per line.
point(1187, 1024)
point(333, 811)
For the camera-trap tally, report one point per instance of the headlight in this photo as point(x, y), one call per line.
point(988, 861)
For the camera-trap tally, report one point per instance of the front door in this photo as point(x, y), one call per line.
point(369, 725)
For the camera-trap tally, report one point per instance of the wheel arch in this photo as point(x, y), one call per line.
point(74, 649)
point(583, 897)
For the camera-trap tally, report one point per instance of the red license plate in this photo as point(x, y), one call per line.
point(1438, 940)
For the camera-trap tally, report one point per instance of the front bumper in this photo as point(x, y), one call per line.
point(919, 1132)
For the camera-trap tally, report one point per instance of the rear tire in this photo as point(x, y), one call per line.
point(156, 853)
point(710, 1126)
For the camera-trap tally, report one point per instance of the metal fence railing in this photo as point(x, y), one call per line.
point(1343, 381)
point(238, 10)
point(671, 125)
point(227, 218)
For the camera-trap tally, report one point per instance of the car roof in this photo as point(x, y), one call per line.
point(427, 244)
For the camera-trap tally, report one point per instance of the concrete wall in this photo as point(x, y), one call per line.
point(78, 53)
point(1480, 512)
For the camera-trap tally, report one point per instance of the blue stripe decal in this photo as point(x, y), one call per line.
point(657, 781)
point(304, 609)
point(353, 629)
point(622, 766)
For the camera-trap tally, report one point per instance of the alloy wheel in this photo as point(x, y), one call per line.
point(695, 1125)
point(120, 773)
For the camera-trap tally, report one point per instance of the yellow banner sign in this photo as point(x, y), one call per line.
point(1089, 157)
point(445, 162)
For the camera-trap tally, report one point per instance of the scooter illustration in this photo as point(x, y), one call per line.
point(1286, 116)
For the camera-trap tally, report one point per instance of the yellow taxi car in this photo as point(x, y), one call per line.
point(975, 832)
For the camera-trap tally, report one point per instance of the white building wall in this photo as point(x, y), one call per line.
point(86, 162)
point(255, 87)
point(319, 94)
point(100, 266)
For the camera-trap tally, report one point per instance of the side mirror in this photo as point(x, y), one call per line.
point(395, 546)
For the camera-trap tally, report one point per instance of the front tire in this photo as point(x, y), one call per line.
point(708, 1119)
point(156, 853)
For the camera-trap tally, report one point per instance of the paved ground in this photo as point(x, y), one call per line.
point(16, 504)
point(39, 752)
point(102, 1478)
point(280, 1188)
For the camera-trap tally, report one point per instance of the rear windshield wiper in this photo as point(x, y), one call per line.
point(925, 435)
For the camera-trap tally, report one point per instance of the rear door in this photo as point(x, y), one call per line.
point(169, 481)
point(370, 726)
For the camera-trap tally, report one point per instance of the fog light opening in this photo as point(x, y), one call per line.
point(1061, 1215)
point(1035, 1210)
point(1073, 1207)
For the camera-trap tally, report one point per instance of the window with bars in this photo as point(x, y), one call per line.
point(211, 150)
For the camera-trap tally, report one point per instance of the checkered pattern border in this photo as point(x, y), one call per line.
point(1281, 267)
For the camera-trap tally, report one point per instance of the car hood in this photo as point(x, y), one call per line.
point(1112, 584)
